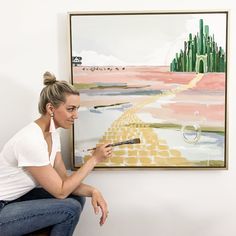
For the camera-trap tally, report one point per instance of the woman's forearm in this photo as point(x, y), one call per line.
point(73, 183)
point(84, 190)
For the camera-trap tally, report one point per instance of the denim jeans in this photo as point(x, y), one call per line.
point(37, 210)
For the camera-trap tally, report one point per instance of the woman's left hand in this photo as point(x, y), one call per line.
point(99, 202)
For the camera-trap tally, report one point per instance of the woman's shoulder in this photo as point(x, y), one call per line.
point(30, 132)
point(30, 128)
point(28, 136)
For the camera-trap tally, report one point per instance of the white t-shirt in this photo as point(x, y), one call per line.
point(26, 148)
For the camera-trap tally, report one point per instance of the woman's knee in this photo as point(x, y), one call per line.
point(80, 199)
point(73, 206)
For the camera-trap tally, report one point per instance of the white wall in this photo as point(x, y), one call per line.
point(33, 38)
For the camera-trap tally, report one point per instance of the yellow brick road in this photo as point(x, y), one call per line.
point(152, 151)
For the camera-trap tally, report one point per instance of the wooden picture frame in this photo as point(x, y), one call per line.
point(157, 76)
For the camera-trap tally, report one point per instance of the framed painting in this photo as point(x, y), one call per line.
point(154, 84)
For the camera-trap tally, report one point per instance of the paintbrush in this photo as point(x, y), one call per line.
point(130, 141)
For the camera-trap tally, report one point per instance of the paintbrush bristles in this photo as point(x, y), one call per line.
point(136, 140)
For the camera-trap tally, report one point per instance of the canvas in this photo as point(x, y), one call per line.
point(160, 77)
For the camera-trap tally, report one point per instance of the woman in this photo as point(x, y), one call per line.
point(32, 158)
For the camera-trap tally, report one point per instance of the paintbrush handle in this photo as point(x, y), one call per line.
point(131, 141)
point(121, 143)
point(109, 145)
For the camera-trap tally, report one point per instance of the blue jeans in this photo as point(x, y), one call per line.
point(37, 210)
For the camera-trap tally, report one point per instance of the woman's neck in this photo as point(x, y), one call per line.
point(44, 122)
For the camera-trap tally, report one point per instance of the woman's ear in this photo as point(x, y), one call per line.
point(49, 108)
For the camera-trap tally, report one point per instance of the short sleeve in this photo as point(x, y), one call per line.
point(31, 151)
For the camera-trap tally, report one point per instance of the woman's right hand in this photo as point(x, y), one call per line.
point(99, 203)
point(102, 152)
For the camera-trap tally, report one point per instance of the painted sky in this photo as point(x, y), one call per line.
point(139, 40)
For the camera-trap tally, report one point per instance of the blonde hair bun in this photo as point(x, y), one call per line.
point(55, 92)
point(49, 78)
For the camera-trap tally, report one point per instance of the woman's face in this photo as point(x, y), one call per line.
point(67, 112)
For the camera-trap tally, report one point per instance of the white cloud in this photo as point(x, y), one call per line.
point(91, 58)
